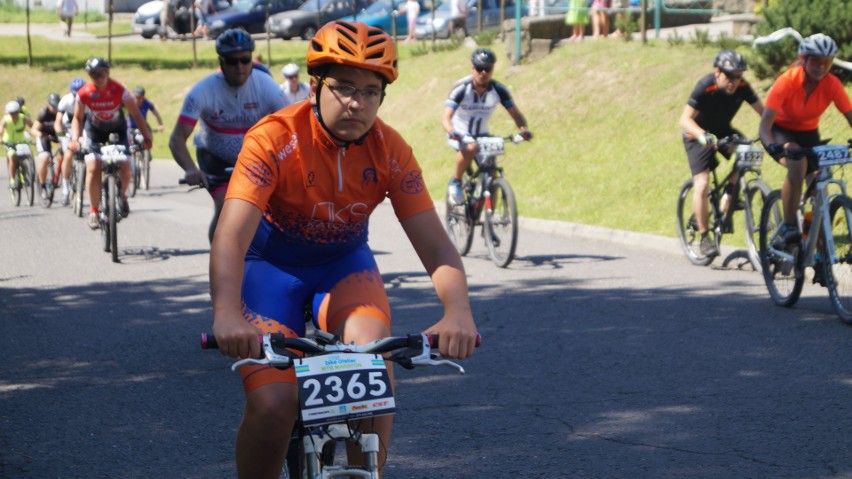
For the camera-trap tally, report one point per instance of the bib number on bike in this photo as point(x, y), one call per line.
point(336, 387)
point(114, 152)
point(491, 146)
point(831, 155)
point(749, 156)
point(22, 149)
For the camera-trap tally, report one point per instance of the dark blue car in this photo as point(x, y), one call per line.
point(381, 14)
point(250, 15)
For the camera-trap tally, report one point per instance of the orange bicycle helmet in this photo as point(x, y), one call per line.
point(354, 44)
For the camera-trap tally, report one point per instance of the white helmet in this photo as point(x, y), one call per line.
point(818, 45)
point(13, 107)
point(290, 70)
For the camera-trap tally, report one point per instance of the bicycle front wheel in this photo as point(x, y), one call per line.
point(146, 169)
point(79, 186)
point(114, 190)
point(501, 222)
point(47, 195)
point(782, 269)
point(459, 225)
point(838, 274)
point(687, 228)
point(29, 179)
point(756, 193)
point(16, 192)
point(136, 163)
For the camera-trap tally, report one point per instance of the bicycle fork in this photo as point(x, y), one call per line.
point(314, 444)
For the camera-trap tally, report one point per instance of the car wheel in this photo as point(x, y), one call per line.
point(309, 32)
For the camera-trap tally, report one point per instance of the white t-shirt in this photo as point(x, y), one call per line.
point(67, 8)
point(300, 94)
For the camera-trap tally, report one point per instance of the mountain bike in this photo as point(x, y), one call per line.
point(749, 195)
point(54, 163)
point(141, 164)
point(78, 183)
point(25, 173)
point(339, 383)
point(486, 190)
point(111, 154)
point(825, 213)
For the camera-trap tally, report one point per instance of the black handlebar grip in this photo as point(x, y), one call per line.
point(182, 181)
point(208, 341)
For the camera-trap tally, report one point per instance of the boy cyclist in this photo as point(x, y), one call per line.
point(293, 229)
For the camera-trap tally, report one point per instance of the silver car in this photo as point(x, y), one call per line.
point(305, 21)
point(441, 24)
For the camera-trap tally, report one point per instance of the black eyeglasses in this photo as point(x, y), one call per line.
point(348, 92)
point(733, 77)
point(484, 69)
point(235, 60)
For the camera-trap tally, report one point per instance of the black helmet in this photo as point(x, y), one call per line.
point(20, 100)
point(729, 61)
point(233, 41)
point(95, 63)
point(53, 100)
point(139, 91)
point(483, 56)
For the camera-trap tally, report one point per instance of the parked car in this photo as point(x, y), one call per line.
point(381, 14)
point(250, 15)
point(304, 21)
point(146, 22)
point(441, 24)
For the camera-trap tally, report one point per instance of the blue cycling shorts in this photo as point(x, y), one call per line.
point(275, 295)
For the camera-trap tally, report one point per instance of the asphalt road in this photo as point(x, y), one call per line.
point(601, 359)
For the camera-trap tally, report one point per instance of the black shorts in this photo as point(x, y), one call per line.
point(702, 158)
point(218, 170)
point(101, 136)
point(805, 139)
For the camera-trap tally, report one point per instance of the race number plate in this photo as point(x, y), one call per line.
point(749, 156)
point(831, 155)
point(337, 387)
point(22, 149)
point(114, 152)
point(490, 145)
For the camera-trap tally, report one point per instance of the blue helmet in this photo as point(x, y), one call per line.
point(233, 41)
point(818, 45)
point(483, 56)
point(76, 84)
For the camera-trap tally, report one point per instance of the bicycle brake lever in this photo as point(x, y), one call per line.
point(243, 362)
point(437, 362)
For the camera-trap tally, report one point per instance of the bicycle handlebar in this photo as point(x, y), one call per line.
point(408, 351)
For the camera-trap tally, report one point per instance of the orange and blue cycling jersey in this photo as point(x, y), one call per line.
point(798, 111)
point(316, 197)
point(311, 244)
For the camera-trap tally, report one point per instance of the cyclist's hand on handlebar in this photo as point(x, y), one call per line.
point(527, 135)
point(74, 145)
point(237, 338)
point(707, 139)
point(455, 136)
point(775, 150)
point(195, 177)
point(458, 335)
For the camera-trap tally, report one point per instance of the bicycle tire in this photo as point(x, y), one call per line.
point(113, 191)
point(459, 224)
point(29, 179)
point(501, 222)
point(756, 193)
point(16, 192)
point(146, 169)
point(49, 188)
point(134, 181)
point(79, 186)
point(838, 276)
point(687, 228)
point(103, 216)
point(783, 279)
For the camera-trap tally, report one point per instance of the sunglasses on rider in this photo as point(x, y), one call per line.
point(231, 61)
point(484, 69)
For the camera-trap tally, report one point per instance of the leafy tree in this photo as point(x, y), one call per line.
point(831, 17)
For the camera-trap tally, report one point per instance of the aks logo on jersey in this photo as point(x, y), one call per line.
point(369, 176)
point(412, 183)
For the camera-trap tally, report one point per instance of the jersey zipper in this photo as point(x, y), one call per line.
point(340, 154)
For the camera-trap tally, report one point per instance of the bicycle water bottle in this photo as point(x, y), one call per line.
point(806, 223)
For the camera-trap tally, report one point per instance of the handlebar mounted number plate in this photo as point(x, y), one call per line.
point(337, 387)
point(22, 149)
point(832, 155)
point(490, 145)
point(114, 152)
point(749, 156)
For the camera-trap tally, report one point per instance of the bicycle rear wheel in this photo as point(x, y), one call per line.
point(756, 193)
point(838, 276)
point(501, 223)
point(459, 224)
point(687, 229)
point(29, 179)
point(782, 270)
